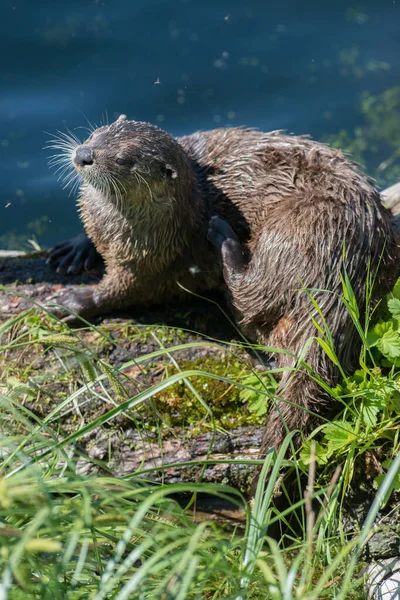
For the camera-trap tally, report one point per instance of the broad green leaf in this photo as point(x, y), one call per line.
point(257, 402)
point(396, 290)
point(258, 405)
point(339, 434)
point(389, 344)
point(394, 307)
point(383, 327)
point(369, 413)
point(358, 376)
point(372, 337)
point(321, 454)
point(378, 331)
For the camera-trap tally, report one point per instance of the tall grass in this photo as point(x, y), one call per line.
point(68, 534)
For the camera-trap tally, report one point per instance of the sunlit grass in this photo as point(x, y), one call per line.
point(71, 528)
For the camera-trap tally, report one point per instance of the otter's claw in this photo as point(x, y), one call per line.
point(74, 256)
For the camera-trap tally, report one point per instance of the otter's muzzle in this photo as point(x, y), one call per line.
point(83, 156)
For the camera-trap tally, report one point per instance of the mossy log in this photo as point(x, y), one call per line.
point(135, 442)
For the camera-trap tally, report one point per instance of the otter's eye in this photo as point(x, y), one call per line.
point(120, 161)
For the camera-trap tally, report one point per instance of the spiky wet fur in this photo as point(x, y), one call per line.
point(296, 207)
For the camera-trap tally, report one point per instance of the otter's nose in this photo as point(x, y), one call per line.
point(83, 156)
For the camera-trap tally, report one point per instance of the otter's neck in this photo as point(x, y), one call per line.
point(154, 231)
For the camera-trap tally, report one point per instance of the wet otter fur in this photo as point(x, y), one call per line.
point(267, 216)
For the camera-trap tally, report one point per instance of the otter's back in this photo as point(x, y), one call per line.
point(297, 191)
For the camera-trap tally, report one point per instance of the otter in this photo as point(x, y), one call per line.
point(279, 221)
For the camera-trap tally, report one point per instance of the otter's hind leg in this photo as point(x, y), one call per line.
point(265, 292)
point(74, 256)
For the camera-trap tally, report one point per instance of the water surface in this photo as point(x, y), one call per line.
point(295, 65)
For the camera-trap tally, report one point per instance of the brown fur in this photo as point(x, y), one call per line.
point(295, 205)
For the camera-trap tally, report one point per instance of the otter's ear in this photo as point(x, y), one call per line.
point(169, 172)
point(121, 118)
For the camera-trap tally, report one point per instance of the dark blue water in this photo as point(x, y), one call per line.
point(296, 65)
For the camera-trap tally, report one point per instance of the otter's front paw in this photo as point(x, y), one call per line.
point(72, 305)
point(74, 256)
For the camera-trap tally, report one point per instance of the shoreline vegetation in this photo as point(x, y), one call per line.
point(128, 447)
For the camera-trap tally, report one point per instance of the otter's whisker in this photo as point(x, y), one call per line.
point(104, 185)
point(136, 177)
point(74, 137)
point(62, 170)
point(120, 185)
point(60, 156)
point(57, 164)
point(146, 183)
point(55, 158)
point(91, 126)
point(62, 166)
point(104, 118)
point(75, 186)
point(62, 151)
point(65, 138)
point(111, 187)
point(60, 143)
point(64, 144)
point(118, 195)
point(68, 179)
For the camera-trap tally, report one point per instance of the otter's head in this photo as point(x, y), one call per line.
point(127, 160)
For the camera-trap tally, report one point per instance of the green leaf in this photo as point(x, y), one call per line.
point(328, 351)
point(339, 434)
point(383, 327)
point(396, 290)
point(321, 454)
point(358, 376)
point(394, 307)
point(372, 338)
point(258, 405)
point(369, 412)
point(389, 344)
point(378, 331)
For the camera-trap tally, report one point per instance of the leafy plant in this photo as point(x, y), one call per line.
point(370, 396)
point(259, 387)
